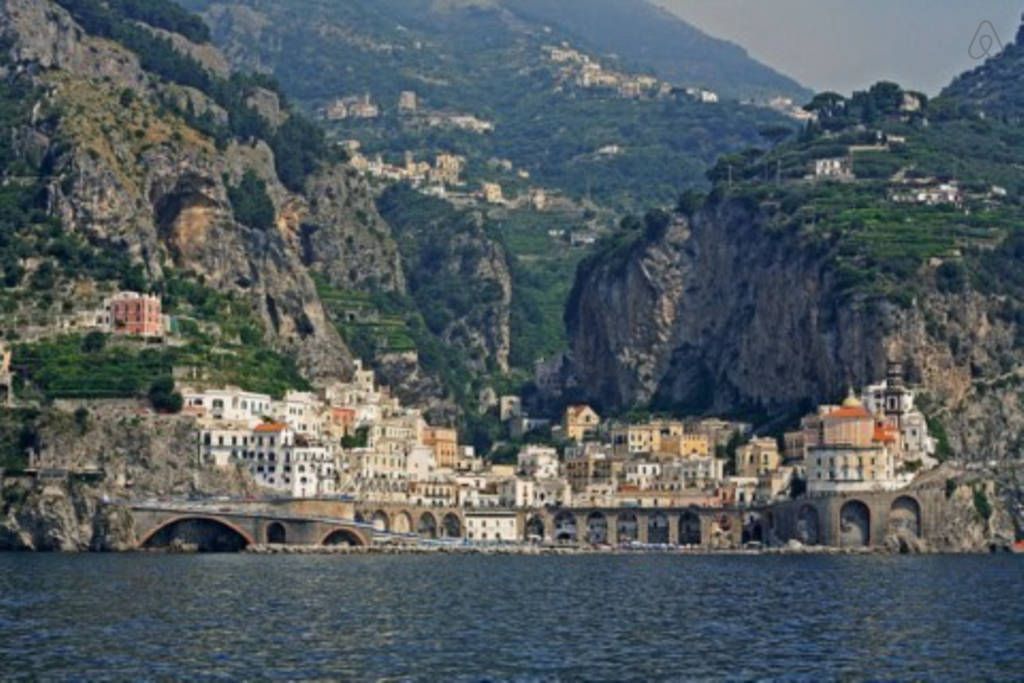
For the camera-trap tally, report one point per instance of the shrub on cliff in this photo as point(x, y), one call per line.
point(163, 396)
point(250, 203)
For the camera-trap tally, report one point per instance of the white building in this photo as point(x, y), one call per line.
point(230, 404)
point(302, 411)
point(539, 462)
point(491, 526)
point(281, 460)
point(518, 492)
point(833, 168)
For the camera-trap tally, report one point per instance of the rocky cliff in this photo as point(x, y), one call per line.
point(131, 176)
point(723, 314)
point(141, 456)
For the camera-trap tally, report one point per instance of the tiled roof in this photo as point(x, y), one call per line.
point(268, 427)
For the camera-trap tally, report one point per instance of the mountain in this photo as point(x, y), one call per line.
point(495, 85)
point(792, 280)
point(642, 34)
point(994, 89)
point(492, 61)
point(134, 158)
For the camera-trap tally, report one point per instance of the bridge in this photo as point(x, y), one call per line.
point(712, 527)
point(235, 526)
point(866, 519)
point(841, 520)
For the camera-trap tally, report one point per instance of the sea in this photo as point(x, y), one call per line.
point(510, 618)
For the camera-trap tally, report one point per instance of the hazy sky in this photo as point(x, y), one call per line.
point(844, 45)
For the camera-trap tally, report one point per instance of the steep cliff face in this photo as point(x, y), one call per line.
point(132, 177)
point(141, 457)
point(458, 275)
point(724, 315)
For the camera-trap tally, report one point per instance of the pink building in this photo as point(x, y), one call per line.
point(136, 314)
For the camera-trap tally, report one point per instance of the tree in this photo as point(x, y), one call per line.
point(163, 397)
point(775, 133)
point(250, 203)
point(690, 202)
point(656, 224)
point(94, 342)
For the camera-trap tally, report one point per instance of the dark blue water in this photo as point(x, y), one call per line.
point(525, 618)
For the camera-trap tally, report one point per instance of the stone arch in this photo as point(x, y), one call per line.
point(905, 516)
point(534, 528)
point(276, 533)
point(689, 528)
point(627, 527)
point(597, 528)
point(753, 528)
point(343, 537)
point(427, 525)
point(208, 534)
point(401, 523)
point(380, 521)
point(565, 526)
point(657, 528)
point(854, 525)
point(451, 526)
point(808, 525)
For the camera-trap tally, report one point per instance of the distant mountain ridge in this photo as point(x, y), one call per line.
point(643, 34)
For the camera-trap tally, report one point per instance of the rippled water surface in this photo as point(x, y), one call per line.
point(525, 618)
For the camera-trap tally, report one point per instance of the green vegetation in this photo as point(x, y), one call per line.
point(298, 144)
point(18, 435)
point(879, 246)
point(163, 396)
point(250, 203)
point(981, 503)
point(477, 61)
point(59, 368)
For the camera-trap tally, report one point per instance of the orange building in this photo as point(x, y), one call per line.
point(136, 314)
point(445, 443)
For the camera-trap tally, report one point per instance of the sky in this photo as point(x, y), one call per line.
point(844, 45)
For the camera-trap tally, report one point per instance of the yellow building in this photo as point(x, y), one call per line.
point(685, 445)
point(580, 422)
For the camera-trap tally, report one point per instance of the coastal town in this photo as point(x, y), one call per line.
point(354, 441)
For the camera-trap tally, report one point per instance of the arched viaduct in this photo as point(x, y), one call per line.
point(858, 519)
point(233, 530)
point(842, 520)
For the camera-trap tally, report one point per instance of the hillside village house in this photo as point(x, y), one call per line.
point(757, 457)
point(835, 168)
point(580, 422)
point(135, 314)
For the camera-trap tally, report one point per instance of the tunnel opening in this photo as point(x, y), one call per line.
point(854, 525)
point(201, 534)
point(427, 526)
point(597, 528)
point(657, 529)
point(689, 528)
point(276, 534)
point(342, 537)
point(451, 526)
